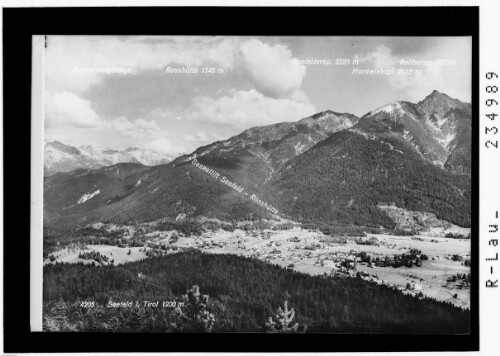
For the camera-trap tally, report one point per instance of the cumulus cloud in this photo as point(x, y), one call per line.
point(138, 128)
point(224, 53)
point(164, 146)
point(244, 109)
point(197, 137)
point(163, 113)
point(69, 57)
point(69, 109)
point(70, 112)
point(275, 76)
point(273, 68)
point(382, 57)
point(416, 85)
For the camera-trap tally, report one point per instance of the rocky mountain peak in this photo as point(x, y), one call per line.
point(330, 121)
point(437, 103)
point(63, 147)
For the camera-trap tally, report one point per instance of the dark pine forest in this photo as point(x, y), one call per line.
point(243, 294)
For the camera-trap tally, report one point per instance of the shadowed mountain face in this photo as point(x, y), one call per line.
point(329, 167)
point(343, 179)
point(459, 159)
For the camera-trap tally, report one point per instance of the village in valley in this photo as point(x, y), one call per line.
point(423, 265)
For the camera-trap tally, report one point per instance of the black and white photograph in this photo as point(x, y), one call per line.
point(257, 184)
point(234, 178)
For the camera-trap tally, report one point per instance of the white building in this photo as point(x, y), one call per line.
point(416, 286)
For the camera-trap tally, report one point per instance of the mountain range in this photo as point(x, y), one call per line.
point(330, 167)
point(60, 157)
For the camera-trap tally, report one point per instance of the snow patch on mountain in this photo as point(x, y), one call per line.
point(364, 134)
point(86, 197)
point(299, 148)
point(394, 109)
point(408, 137)
point(446, 140)
point(440, 121)
point(53, 156)
point(330, 121)
point(391, 147)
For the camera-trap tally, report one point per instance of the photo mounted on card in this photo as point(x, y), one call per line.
point(211, 187)
point(257, 184)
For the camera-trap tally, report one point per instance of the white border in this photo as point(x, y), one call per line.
point(37, 150)
point(489, 178)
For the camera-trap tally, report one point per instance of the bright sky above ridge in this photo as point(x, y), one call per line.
point(257, 81)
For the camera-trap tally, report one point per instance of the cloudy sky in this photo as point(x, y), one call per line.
point(258, 81)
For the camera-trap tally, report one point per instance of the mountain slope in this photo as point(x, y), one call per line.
point(70, 197)
point(249, 160)
point(401, 153)
point(273, 145)
point(438, 128)
point(454, 119)
point(343, 178)
point(330, 167)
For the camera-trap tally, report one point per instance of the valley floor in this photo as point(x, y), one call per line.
point(310, 252)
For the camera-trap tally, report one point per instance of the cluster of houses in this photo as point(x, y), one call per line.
point(265, 235)
point(458, 281)
point(457, 257)
point(338, 260)
point(205, 244)
point(312, 248)
point(158, 235)
point(415, 285)
point(387, 244)
point(341, 264)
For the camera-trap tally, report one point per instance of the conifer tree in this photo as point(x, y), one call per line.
point(194, 314)
point(284, 321)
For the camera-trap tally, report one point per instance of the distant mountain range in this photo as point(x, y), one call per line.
point(60, 157)
point(330, 167)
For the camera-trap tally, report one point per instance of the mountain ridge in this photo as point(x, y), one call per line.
point(438, 127)
point(335, 168)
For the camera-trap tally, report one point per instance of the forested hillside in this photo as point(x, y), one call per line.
point(243, 293)
point(344, 178)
